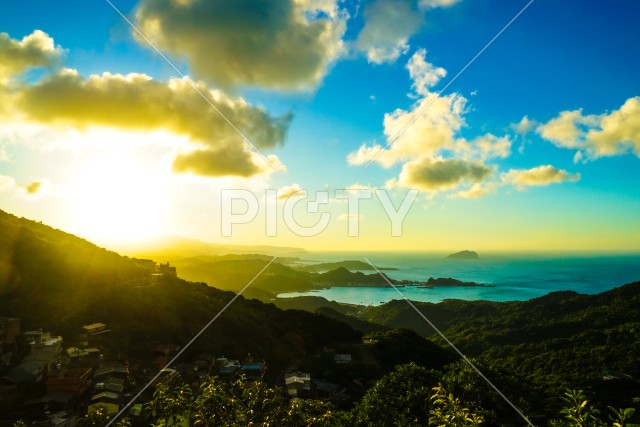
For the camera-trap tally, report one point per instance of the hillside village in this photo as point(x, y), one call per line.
point(51, 380)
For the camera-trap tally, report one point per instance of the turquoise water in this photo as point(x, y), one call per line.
point(518, 277)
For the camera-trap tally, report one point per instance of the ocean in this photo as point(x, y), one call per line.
point(515, 277)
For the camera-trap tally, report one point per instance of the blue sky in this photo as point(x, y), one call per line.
point(553, 190)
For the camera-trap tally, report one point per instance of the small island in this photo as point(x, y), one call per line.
point(464, 255)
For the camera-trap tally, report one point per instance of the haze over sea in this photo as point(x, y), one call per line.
point(514, 276)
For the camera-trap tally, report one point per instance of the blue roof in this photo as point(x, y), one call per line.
point(252, 367)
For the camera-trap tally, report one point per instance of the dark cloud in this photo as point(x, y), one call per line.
point(284, 44)
point(439, 174)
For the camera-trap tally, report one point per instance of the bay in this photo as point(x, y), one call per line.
point(515, 277)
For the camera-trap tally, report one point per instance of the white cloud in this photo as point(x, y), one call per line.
point(424, 74)
point(524, 126)
point(34, 50)
point(538, 176)
point(33, 189)
point(477, 190)
point(136, 102)
point(617, 132)
point(288, 191)
point(437, 3)
point(388, 26)
point(608, 134)
point(568, 129)
point(426, 140)
point(484, 147)
point(281, 44)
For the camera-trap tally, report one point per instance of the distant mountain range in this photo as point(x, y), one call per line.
point(168, 248)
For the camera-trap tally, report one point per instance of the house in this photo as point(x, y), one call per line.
point(167, 269)
point(112, 384)
point(17, 379)
point(50, 357)
point(162, 354)
point(342, 358)
point(117, 370)
point(76, 353)
point(76, 381)
point(325, 389)
point(36, 368)
point(227, 368)
point(107, 399)
point(253, 371)
point(95, 329)
point(167, 376)
point(42, 341)
point(52, 401)
point(298, 384)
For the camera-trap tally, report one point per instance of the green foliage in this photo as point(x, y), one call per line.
point(170, 406)
point(621, 416)
point(400, 398)
point(244, 403)
point(448, 411)
point(577, 412)
point(550, 343)
point(400, 346)
point(100, 418)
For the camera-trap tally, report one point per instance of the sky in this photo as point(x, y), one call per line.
point(449, 124)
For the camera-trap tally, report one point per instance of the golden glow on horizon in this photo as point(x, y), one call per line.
point(117, 200)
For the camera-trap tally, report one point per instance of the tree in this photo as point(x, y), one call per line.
point(400, 398)
point(448, 411)
point(100, 418)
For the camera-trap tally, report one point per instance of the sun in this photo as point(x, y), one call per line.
point(118, 200)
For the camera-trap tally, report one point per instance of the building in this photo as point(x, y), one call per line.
point(113, 384)
point(95, 329)
point(51, 402)
point(76, 381)
point(107, 399)
point(49, 357)
point(167, 269)
point(116, 370)
point(298, 384)
point(42, 341)
point(325, 389)
point(342, 358)
point(253, 371)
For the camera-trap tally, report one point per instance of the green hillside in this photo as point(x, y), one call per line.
point(59, 282)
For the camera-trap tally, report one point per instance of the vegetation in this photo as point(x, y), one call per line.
point(558, 341)
point(532, 350)
point(404, 397)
